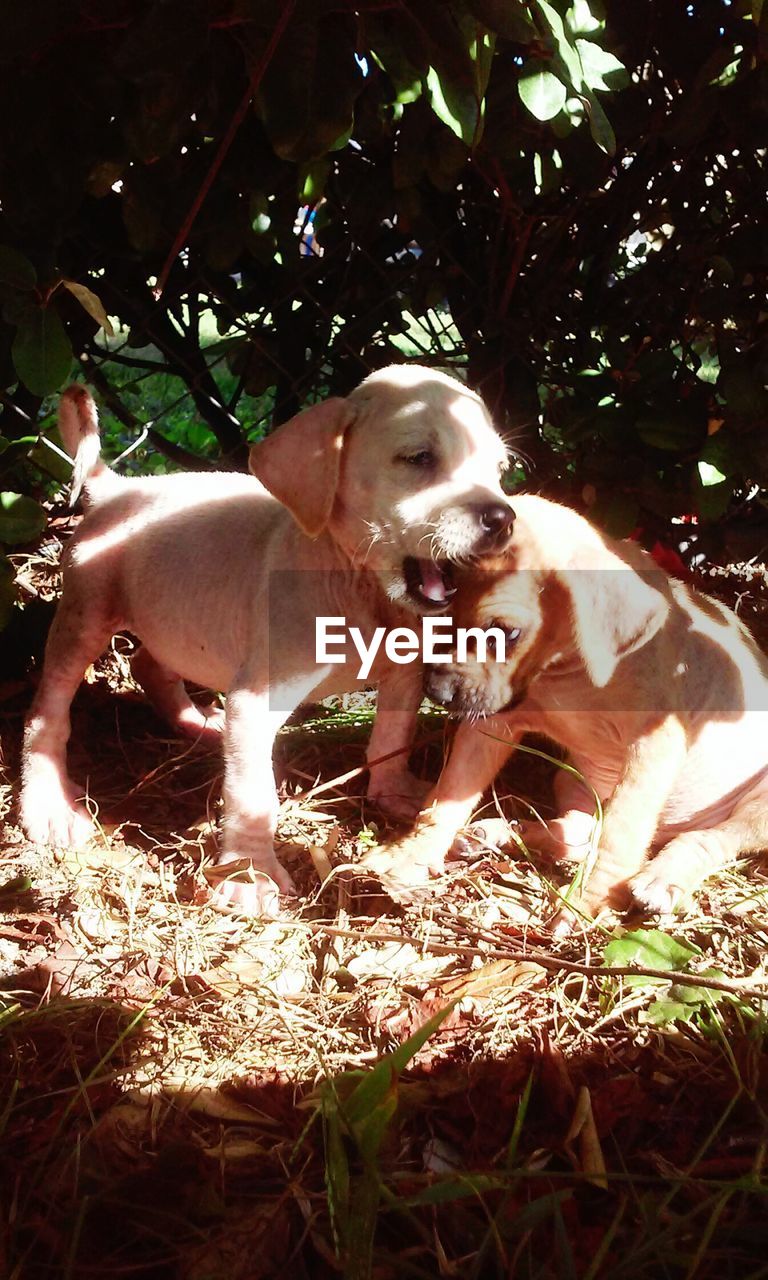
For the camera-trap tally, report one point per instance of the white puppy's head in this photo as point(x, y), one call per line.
point(405, 474)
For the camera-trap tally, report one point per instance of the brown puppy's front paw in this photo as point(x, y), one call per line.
point(564, 839)
point(406, 866)
point(595, 896)
point(239, 885)
point(578, 915)
point(487, 833)
point(653, 892)
point(400, 796)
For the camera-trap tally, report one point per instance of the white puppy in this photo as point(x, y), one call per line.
point(363, 502)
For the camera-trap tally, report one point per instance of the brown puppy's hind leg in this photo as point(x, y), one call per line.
point(688, 860)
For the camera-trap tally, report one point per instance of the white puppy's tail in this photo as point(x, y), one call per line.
point(79, 427)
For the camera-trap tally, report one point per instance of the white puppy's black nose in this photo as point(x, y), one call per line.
point(496, 521)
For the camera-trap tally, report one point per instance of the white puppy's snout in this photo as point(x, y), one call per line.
point(496, 520)
point(478, 527)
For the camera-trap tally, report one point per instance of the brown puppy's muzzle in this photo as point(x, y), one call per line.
point(442, 685)
point(495, 521)
point(448, 687)
point(459, 695)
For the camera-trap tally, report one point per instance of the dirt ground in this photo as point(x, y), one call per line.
point(189, 1094)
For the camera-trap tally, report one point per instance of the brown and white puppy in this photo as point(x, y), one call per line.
point(359, 506)
point(659, 694)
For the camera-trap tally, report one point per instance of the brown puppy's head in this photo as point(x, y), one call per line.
point(565, 597)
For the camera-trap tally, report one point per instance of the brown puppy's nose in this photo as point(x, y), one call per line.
point(440, 685)
point(496, 520)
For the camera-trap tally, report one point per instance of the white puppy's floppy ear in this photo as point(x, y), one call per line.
point(301, 461)
point(615, 609)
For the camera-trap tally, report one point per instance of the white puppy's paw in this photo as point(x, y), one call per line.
point(400, 796)
point(51, 813)
point(654, 893)
point(240, 885)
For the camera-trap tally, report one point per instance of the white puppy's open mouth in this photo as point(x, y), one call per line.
point(429, 583)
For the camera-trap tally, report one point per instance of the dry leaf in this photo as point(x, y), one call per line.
point(57, 973)
point(591, 1161)
point(91, 303)
point(218, 1106)
point(232, 1147)
point(495, 976)
point(241, 974)
point(321, 862)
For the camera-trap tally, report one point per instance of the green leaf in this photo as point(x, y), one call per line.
point(506, 18)
point(457, 1187)
point(580, 21)
point(600, 126)
point(312, 180)
point(371, 1104)
point(566, 49)
point(42, 351)
point(91, 303)
point(16, 270)
point(336, 1167)
point(455, 106)
point(410, 1047)
point(662, 1012)
point(674, 431)
point(460, 103)
point(650, 949)
point(598, 63)
point(699, 995)
point(49, 462)
point(389, 34)
point(307, 95)
point(616, 512)
point(542, 93)
point(7, 590)
point(709, 474)
point(21, 518)
point(14, 451)
point(729, 72)
point(713, 499)
point(18, 884)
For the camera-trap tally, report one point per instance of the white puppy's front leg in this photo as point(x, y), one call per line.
point(247, 874)
point(50, 804)
point(391, 784)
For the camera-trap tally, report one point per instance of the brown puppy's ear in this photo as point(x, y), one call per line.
point(300, 462)
point(615, 609)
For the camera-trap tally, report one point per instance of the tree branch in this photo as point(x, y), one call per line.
point(174, 452)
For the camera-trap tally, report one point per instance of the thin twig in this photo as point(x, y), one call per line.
point(552, 963)
point(351, 774)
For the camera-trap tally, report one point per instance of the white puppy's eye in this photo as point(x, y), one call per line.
point(422, 458)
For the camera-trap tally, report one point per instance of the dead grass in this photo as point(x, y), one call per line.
point(180, 1088)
